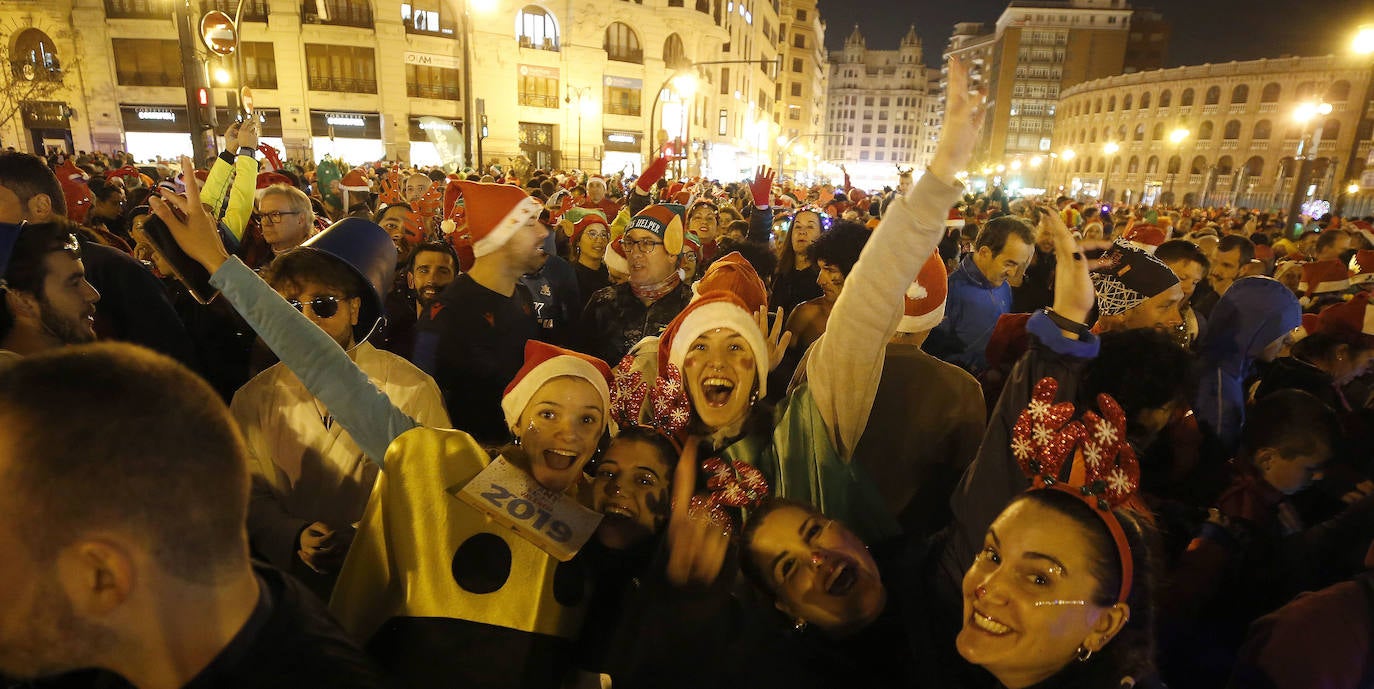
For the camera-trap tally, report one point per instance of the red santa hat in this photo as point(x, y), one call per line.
point(75, 191)
point(955, 218)
point(1321, 277)
point(925, 298)
point(615, 259)
point(734, 274)
point(692, 243)
point(494, 213)
point(1145, 237)
point(713, 311)
point(267, 179)
point(576, 220)
point(355, 180)
point(543, 363)
point(1362, 267)
point(1351, 322)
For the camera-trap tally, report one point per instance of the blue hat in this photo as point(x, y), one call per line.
point(366, 248)
point(9, 236)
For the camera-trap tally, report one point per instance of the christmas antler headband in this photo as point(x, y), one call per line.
point(1102, 467)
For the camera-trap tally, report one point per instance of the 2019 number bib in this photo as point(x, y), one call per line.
point(556, 523)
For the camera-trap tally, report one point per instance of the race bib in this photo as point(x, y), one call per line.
point(556, 523)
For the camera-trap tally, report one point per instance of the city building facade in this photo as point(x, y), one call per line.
point(801, 90)
point(1214, 134)
point(879, 111)
point(1035, 51)
point(591, 85)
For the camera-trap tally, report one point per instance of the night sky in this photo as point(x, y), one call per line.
point(1203, 30)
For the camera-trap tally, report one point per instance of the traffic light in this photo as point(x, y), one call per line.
point(484, 125)
point(205, 109)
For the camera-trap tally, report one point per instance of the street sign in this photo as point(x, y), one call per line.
point(217, 30)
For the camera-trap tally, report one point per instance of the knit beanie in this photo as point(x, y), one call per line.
point(1129, 277)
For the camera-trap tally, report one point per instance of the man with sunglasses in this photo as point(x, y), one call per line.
point(621, 315)
point(311, 481)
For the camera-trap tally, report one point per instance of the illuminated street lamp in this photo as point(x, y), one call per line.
point(1177, 136)
point(1303, 114)
point(1363, 45)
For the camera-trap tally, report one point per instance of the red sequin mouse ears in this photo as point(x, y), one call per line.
point(1088, 458)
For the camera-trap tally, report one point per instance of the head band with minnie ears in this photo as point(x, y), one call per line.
point(1102, 470)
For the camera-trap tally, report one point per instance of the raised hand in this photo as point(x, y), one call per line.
point(231, 137)
point(652, 174)
point(762, 186)
point(776, 337)
point(1073, 288)
point(191, 227)
point(962, 125)
point(697, 543)
point(248, 134)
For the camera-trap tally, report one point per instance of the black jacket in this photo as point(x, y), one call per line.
point(615, 320)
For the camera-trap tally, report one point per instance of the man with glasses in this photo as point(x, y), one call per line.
point(621, 315)
point(287, 218)
point(311, 481)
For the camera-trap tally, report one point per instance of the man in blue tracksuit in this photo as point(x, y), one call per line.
point(979, 293)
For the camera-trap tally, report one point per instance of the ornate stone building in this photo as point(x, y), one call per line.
point(1213, 134)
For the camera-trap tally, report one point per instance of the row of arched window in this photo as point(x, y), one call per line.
point(1338, 92)
point(1263, 130)
point(535, 27)
point(1225, 165)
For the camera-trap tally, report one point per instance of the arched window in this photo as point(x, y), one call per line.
point(1225, 166)
point(1078, 165)
point(1175, 164)
point(1339, 92)
point(1331, 129)
point(1133, 166)
point(1204, 133)
point(1157, 134)
point(1166, 97)
point(535, 28)
point(1101, 164)
point(1144, 100)
point(35, 57)
point(1254, 167)
point(1213, 96)
point(1111, 103)
point(1152, 165)
point(1232, 130)
point(1092, 136)
point(1199, 166)
point(1307, 90)
point(674, 55)
point(1126, 102)
point(622, 45)
point(1139, 132)
point(1121, 133)
point(1116, 164)
point(1098, 107)
point(1263, 130)
point(1187, 98)
point(1271, 93)
point(1240, 94)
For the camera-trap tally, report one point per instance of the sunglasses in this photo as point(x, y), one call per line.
point(323, 307)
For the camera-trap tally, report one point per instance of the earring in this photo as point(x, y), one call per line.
point(1083, 654)
point(799, 626)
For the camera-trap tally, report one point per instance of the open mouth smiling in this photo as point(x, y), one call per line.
point(717, 390)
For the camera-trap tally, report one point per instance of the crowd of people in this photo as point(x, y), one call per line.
point(276, 425)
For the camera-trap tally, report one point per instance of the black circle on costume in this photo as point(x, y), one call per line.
point(569, 583)
point(482, 563)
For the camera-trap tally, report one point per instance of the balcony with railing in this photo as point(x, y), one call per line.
point(148, 78)
point(539, 100)
point(627, 55)
point(338, 13)
point(137, 9)
point(343, 84)
point(435, 91)
point(253, 10)
point(546, 43)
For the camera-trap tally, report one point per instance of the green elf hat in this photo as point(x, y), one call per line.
point(667, 221)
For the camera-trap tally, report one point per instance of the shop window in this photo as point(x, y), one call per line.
point(535, 28)
point(426, 17)
point(259, 65)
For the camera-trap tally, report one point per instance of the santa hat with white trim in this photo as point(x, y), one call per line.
point(494, 213)
point(955, 218)
point(1145, 237)
point(925, 298)
point(713, 310)
point(543, 363)
point(1351, 322)
point(1324, 277)
point(1362, 267)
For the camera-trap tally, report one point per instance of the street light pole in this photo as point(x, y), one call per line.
point(469, 113)
point(1304, 114)
point(1354, 157)
point(581, 92)
point(1110, 149)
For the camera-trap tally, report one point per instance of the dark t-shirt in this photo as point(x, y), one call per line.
point(472, 342)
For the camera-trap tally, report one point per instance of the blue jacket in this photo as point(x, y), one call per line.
point(971, 312)
point(1252, 314)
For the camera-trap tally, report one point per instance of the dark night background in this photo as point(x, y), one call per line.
point(1203, 30)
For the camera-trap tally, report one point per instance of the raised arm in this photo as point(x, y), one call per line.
point(364, 411)
point(846, 363)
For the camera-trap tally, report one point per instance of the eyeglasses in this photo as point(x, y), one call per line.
point(275, 216)
point(323, 307)
point(643, 246)
point(600, 234)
